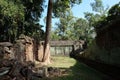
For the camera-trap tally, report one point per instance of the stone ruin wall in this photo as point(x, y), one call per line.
point(24, 50)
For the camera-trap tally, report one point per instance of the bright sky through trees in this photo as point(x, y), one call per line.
point(78, 10)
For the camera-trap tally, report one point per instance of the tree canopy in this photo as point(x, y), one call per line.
point(22, 17)
point(60, 6)
point(19, 17)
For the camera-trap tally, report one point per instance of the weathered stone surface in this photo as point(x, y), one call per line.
point(15, 70)
point(40, 51)
point(54, 72)
point(19, 51)
point(6, 44)
point(24, 49)
point(29, 52)
point(6, 50)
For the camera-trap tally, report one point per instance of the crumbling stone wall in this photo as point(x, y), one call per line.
point(25, 49)
point(109, 37)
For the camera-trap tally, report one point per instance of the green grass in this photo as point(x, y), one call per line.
point(77, 70)
point(62, 62)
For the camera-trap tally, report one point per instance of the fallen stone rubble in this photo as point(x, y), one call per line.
point(14, 70)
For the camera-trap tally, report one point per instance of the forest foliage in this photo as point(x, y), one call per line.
point(20, 17)
point(23, 16)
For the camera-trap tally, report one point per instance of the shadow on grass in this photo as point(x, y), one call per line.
point(81, 71)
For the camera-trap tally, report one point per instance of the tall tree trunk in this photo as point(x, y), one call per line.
point(46, 56)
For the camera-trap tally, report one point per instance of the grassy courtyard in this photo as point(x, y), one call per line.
point(75, 70)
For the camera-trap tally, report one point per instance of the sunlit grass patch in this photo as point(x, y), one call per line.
point(62, 62)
